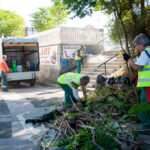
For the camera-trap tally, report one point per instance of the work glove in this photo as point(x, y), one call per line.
point(133, 80)
point(83, 103)
point(126, 56)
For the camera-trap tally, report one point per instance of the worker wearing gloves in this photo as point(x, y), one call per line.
point(70, 82)
point(4, 70)
point(142, 44)
point(79, 58)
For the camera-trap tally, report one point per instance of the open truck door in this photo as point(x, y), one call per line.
point(22, 59)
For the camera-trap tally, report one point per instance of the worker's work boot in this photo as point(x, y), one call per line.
point(5, 90)
point(144, 127)
point(67, 105)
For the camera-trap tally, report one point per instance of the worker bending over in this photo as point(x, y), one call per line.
point(70, 82)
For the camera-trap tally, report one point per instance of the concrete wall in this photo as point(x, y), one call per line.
point(49, 62)
point(57, 47)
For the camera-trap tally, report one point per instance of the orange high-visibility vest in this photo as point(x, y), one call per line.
point(4, 67)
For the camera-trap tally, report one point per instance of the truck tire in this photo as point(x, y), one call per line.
point(32, 82)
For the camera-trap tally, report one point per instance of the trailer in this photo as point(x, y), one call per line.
point(22, 59)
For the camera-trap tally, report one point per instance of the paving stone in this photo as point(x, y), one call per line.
point(6, 118)
point(13, 144)
point(6, 144)
point(51, 92)
point(5, 130)
point(5, 147)
point(42, 102)
point(56, 148)
point(3, 108)
point(23, 145)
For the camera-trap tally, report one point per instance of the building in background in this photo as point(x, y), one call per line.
point(57, 47)
point(29, 31)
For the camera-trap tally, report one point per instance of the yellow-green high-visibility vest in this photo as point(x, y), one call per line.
point(69, 77)
point(144, 74)
point(76, 55)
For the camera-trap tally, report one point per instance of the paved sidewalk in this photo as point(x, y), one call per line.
point(20, 103)
point(12, 133)
point(14, 110)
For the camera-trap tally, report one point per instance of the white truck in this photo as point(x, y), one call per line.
point(22, 59)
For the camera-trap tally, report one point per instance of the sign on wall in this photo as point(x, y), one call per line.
point(69, 50)
point(48, 55)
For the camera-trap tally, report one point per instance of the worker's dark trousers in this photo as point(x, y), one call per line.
point(68, 94)
point(78, 65)
point(145, 117)
point(3, 81)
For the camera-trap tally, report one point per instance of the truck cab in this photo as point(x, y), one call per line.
point(22, 59)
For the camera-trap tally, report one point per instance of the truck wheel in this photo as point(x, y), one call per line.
point(32, 82)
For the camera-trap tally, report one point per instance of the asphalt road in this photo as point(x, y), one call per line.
point(20, 103)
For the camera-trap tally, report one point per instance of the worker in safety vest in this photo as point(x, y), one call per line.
point(70, 82)
point(4, 70)
point(142, 44)
point(79, 58)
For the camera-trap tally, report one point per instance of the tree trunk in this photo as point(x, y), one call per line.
point(122, 25)
point(126, 40)
point(134, 18)
point(143, 15)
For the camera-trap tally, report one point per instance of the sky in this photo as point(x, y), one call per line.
point(26, 7)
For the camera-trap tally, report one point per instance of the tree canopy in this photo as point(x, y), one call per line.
point(132, 16)
point(11, 24)
point(50, 17)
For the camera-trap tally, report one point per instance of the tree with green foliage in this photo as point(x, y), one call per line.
point(50, 17)
point(112, 31)
point(132, 17)
point(11, 24)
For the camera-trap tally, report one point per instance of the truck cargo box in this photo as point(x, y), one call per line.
point(22, 58)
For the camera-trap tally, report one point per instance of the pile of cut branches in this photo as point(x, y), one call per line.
point(98, 125)
point(112, 102)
